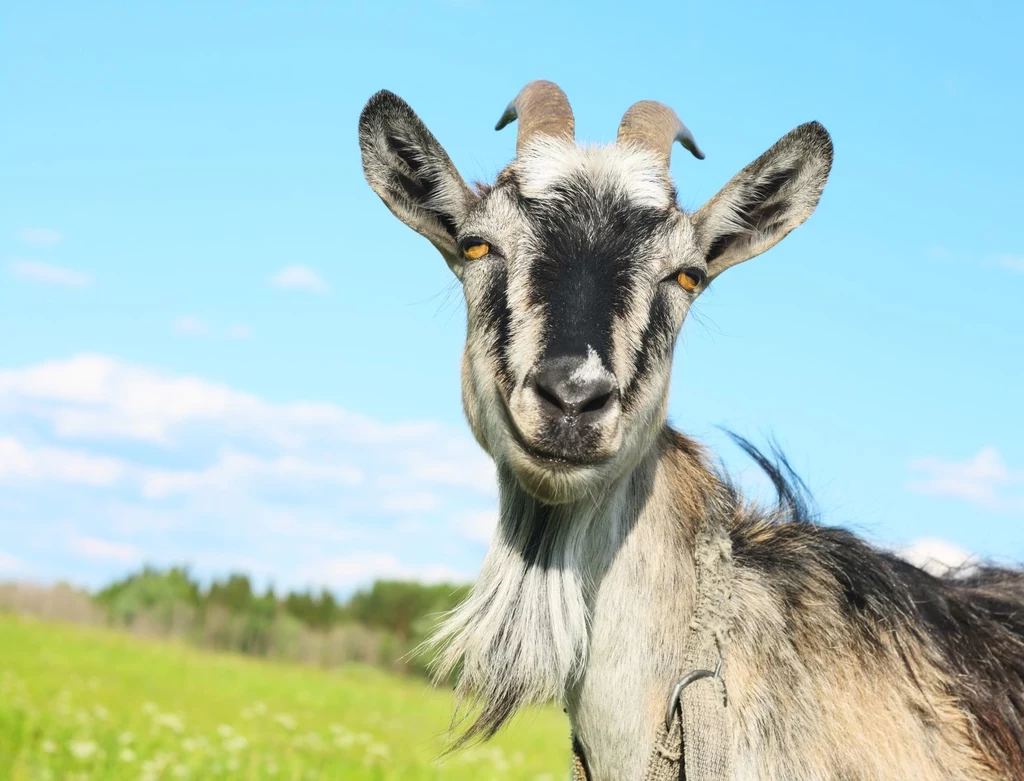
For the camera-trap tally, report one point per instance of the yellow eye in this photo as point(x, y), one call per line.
point(688, 280)
point(476, 251)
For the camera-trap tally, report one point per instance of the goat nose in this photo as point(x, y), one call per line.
point(574, 387)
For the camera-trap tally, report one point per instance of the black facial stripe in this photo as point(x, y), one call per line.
point(588, 261)
point(496, 313)
point(658, 337)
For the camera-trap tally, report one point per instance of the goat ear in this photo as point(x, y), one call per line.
point(410, 171)
point(766, 200)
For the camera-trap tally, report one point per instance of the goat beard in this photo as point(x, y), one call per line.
point(520, 637)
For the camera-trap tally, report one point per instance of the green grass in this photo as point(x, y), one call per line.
point(80, 703)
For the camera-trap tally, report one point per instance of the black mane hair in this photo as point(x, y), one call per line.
point(972, 616)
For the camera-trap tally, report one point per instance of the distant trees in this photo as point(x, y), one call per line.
point(381, 624)
point(152, 593)
point(321, 611)
point(402, 606)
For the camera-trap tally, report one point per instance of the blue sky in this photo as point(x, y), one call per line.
point(217, 346)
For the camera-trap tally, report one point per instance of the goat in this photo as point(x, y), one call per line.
point(578, 267)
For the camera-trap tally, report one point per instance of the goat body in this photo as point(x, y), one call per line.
point(578, 267)
point(843, 663)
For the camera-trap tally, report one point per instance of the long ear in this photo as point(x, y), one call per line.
point(766, 200)
point(412, 174)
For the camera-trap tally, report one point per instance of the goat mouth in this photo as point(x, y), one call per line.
point(543, 457)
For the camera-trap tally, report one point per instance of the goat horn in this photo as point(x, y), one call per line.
point(542, 109)
point(655, 127)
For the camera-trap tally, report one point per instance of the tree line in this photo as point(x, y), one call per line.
point(382, 624)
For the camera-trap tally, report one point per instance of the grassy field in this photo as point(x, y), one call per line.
point(79, 703)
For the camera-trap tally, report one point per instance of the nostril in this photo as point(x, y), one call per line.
point(548, 396)
point(597, 403)
point(564, 394)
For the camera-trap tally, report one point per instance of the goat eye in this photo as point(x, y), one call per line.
point(476, 250)
point(689, 279)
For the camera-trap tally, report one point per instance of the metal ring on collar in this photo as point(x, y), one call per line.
point(675, 699)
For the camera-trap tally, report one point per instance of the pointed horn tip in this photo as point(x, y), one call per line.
point(685, 137)
point(508, 116)
point(541, 108)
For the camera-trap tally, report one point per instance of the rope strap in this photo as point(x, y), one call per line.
point(694, 743)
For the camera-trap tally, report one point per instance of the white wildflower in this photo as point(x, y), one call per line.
point(83, 749)
point(257, 709)
point(377, 750)
point(499, 761)
point(172, 721)
point(344, 741)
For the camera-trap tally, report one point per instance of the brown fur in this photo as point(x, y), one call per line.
point(843, 655)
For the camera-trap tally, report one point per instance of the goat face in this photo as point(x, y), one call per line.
point(578, 268)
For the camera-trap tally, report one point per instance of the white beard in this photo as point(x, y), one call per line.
point(522, 634)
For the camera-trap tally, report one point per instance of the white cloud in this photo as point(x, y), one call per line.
point(41, 237)
point(9, 564)
point(193, 470)
point(98, 397)
point(234, 469)
point(239, 331)
point(983, 480)
point(299, 278)
point(478, 526)
point(190, 325)
point(458, 469)
point(1011, 262)
point(105, 550)
point(95, 396)
point(413, 502)
point(20, 463)
point(938, 557)
point(48, 273)
point(360, 568)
